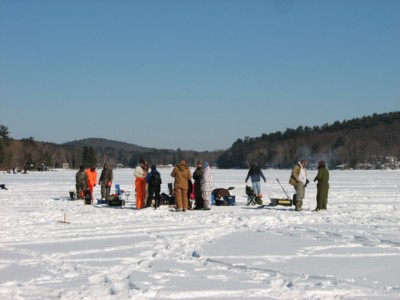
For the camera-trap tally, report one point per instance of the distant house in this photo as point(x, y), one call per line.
point(391, 162)
point(340, 167)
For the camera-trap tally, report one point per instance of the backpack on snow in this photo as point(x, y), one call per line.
point(155, 179)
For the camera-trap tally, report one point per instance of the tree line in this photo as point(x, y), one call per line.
point(29, 154)
point(367, 140)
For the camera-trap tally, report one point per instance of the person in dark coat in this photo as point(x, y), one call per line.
point(255, 174)
point(153, 179)
point(322, 185)
point(199, 202)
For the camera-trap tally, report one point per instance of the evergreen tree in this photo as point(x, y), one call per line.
point(89, 157)
point(3, 139)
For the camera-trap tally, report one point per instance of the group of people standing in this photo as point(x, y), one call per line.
point(298, 179)
point(182, 188)
point(148, 184)
point(86, 180)
point(203, 184)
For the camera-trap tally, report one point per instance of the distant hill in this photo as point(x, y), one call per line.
point(121, 153)
point(366, 142)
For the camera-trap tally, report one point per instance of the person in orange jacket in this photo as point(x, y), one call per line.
point(140, 183)
point(92, 179)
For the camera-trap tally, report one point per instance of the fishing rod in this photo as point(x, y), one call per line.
point(283, 188)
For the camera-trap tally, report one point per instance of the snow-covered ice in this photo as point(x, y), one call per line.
point(350, 251)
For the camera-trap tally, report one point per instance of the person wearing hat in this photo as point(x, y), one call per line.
point(81, 182)
point(92, 179)
point(105, 181)
point(298, 178)
point(140, 183)
point(197, 174)
point(206, 183)
point(255, 174)
point(153, 179)
point(182, 175)
point(322, 185)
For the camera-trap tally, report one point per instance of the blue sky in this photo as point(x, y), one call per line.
point(193, 74)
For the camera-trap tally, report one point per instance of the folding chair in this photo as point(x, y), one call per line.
point(252, 198)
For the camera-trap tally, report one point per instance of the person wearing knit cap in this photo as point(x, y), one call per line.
point(255, 174)
point(322, 185)
point(140, 184)
point(206, 184)
point(199, 203)
point(153, 179)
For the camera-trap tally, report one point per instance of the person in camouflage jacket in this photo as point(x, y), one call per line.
point(206, 185)
point(81, 182)
point(105, 181)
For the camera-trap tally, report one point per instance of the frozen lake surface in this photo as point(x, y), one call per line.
point(350, 251)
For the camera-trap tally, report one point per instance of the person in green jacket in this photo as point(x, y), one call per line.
point(105, 181)
point(322, 185)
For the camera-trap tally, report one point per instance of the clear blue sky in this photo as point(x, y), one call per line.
point(193, 74)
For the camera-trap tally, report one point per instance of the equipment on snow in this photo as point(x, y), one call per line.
point(222, 197)
point(72, 194)
point(87, 198)
point(115, 201)
point(65, 220)
point(252, 197)
point(282, 201)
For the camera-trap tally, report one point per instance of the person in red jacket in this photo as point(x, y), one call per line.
point(92, 179)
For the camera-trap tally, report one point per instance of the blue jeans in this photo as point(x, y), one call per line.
point(257, 187)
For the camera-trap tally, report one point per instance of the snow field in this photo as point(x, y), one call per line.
point(350, 251)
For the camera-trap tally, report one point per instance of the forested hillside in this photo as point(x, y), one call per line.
point(28, 154)
point(373, 141)
point(367, 142)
